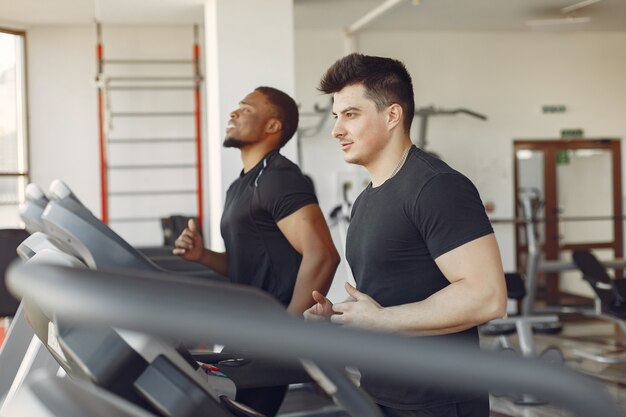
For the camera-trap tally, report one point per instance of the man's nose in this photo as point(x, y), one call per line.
point(338, 131)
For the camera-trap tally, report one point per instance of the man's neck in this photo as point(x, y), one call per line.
point(251, 156)
point(389, 161)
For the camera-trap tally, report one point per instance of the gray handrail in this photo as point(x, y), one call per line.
point(189, 310)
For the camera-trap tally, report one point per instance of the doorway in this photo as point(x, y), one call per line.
point(578, 185)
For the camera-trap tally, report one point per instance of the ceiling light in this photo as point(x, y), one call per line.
point(558, 21)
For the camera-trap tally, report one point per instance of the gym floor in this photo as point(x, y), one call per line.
point(578, 333)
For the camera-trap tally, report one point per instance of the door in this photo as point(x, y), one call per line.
point(579, 185)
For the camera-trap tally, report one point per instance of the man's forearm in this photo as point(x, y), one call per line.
point(455, 308)
point(316, 273)
point(215, 260)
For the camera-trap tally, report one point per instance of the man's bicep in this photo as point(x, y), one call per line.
point(304, 227)
point(477, 261)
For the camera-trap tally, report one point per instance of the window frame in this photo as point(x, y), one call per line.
point(22, 175)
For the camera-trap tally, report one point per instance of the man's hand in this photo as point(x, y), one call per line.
point(321, 310)
point(361, 310)
point(189, 244)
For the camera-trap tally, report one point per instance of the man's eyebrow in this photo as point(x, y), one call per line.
point(347, 109)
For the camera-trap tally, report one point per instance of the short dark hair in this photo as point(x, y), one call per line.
point(286, 111)
point(386, 81)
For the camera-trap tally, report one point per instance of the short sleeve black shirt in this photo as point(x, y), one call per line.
point(258, 254)
point(396, 232)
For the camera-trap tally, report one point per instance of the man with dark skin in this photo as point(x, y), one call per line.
point(275, 235)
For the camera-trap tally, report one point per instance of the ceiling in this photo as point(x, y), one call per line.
point(428, 15)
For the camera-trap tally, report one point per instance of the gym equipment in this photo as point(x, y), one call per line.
point(117, 299)
point(523, 326)
point(41, 248)
point(35, 243)
point(84, 235)
point(113, 359)
point(31, 215)
point(100, 247)
point(113, 78)
point(9, 240)
point(102, 356)
point(23, 350)
point(257, 372)
point(58, 190)
point(610, 301)
point(425, 112)
point(535, 264)
point(49, 396)
point(340, 218)
point(19, 334)
point(35, 202)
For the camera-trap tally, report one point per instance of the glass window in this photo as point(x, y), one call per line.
point(13, 143)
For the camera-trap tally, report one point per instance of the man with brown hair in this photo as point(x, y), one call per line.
point(420, 245)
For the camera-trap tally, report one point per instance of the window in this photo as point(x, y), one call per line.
point(13, 135)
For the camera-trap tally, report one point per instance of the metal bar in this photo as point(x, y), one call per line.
point(569, 219)
point(198, 125)
point(101, 135)
point(133, 219)
point(153, 114)
point(587, 245)
point(585, 218)
point(148, 61)
point(13, 174)
point(560, 266)
point(153, 166)
point(371, 15)
point(521, 220)
point(551, 226)
point(569, 9)
point(618, 238)
point(150, 140)
point(150, 87)
point(150, 78)
point(145, 192)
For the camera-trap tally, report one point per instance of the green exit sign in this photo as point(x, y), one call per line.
point(572, 133)
point(553, 108)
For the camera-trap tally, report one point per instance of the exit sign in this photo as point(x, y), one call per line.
point(572, 133)
point(553, 108)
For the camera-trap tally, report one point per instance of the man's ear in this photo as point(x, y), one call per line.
point(394, 115)
point(273, 126)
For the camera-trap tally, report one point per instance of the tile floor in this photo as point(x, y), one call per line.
point(578, 334)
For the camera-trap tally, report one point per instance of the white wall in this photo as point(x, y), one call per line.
point(64, 126)
point(243, 52)
point(62, 109)
point(507, 77)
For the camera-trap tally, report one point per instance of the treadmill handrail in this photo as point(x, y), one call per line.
point(138, 301)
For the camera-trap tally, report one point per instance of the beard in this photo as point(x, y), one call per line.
point(231, 142)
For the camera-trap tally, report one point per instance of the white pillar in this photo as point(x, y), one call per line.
point(249, 43)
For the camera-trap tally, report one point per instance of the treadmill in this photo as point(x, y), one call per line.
point(86, 297)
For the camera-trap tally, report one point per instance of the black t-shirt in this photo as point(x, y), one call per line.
point(257, 252)
point(396, 232)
